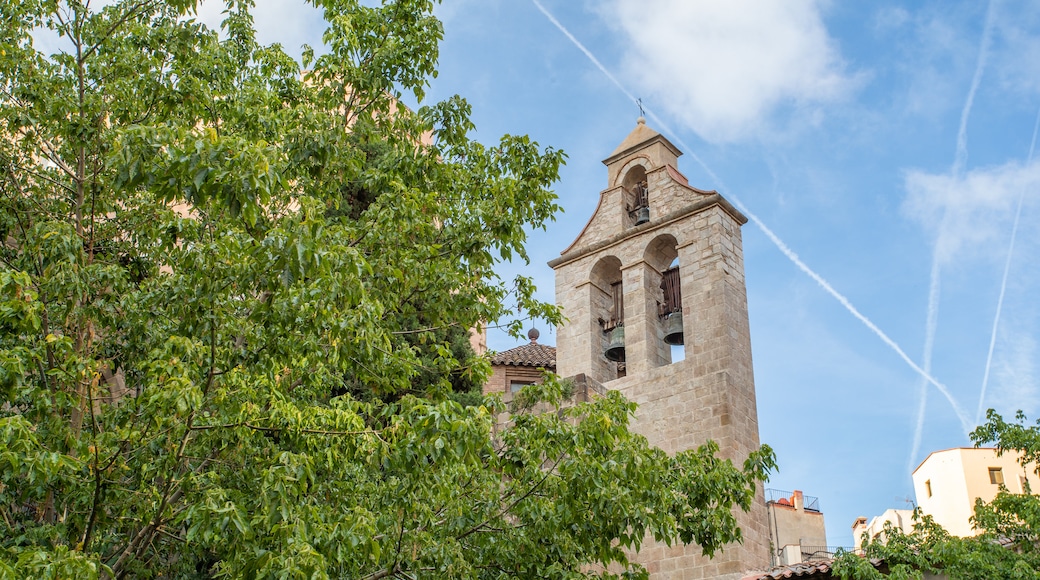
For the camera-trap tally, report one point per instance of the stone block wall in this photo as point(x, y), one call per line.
point(710, 394)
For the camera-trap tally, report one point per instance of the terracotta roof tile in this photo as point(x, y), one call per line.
point(804, 570)
point(819, 569)
point(528, 355)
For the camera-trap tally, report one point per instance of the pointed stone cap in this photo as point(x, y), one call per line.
point(640, 137)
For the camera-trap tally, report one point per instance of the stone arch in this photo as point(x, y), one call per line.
point(661, 252)
point(664, 311)
point(606, 309)
point(633, 176)
point(635, 191)
point(607, 306)
point(641, 161)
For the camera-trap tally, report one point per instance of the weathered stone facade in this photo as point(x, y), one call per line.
point(710, 393)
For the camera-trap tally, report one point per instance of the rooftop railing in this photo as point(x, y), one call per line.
point(781, 497)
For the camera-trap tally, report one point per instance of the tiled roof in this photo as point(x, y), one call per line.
point(804, 570)
point(528, 355)
point(820, 569)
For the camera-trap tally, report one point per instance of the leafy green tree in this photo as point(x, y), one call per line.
point(1008, 545)
point(205, 249)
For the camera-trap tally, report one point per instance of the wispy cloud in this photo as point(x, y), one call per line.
point(960, 159)
point(1004, 281)
point(722, 68)
point(967, 214)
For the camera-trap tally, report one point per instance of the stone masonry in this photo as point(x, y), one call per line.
point(710, 393)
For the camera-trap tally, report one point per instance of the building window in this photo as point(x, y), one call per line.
point(996, 476)
point(515, 386)
point(928, 487)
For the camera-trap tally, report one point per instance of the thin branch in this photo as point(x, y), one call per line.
point(385, 572)
point(47, 178)
point(248, 425)
point(427, 329)
point(98, 479)
point(526, 495)
point(162, 530)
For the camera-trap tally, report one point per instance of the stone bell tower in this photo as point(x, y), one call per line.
point(653, 291)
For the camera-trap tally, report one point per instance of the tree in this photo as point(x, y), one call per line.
point(205, 249)
point(1008, 545)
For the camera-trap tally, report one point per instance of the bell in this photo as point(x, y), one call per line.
point(616, 348)
point(642, 215)
point(673, 333)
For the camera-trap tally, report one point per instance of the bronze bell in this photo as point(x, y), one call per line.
point(673, 331)
point(642, 215)
point(616, 347)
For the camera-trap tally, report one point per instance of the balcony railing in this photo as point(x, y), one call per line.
point(817, 553)
point(781, 497)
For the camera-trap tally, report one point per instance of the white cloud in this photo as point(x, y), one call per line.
point(968, 214)
point(723, 67)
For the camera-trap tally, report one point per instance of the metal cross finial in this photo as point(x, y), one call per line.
point(639, 102)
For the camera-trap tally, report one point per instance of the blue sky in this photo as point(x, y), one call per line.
point(886, 145)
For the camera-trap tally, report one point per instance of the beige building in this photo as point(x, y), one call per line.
point(660, 266)
point(948, 482)
point(946, 485)
point(900, 519)
point(796, 529)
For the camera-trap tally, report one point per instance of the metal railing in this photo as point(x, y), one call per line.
point(817, 553)
point(812, 504)
point(778, 496)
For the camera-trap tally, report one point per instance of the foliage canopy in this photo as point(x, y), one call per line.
point(208, 246)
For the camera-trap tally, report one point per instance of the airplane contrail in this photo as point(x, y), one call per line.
point(784, 249)
point(960, 159)
point(586, 51)
point(961, 155)
point(931, 323)
point(1003, 281)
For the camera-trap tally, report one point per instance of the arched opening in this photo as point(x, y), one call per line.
point(637, 195)
point(671, 312)
point(662, 255)
point(607, 311)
